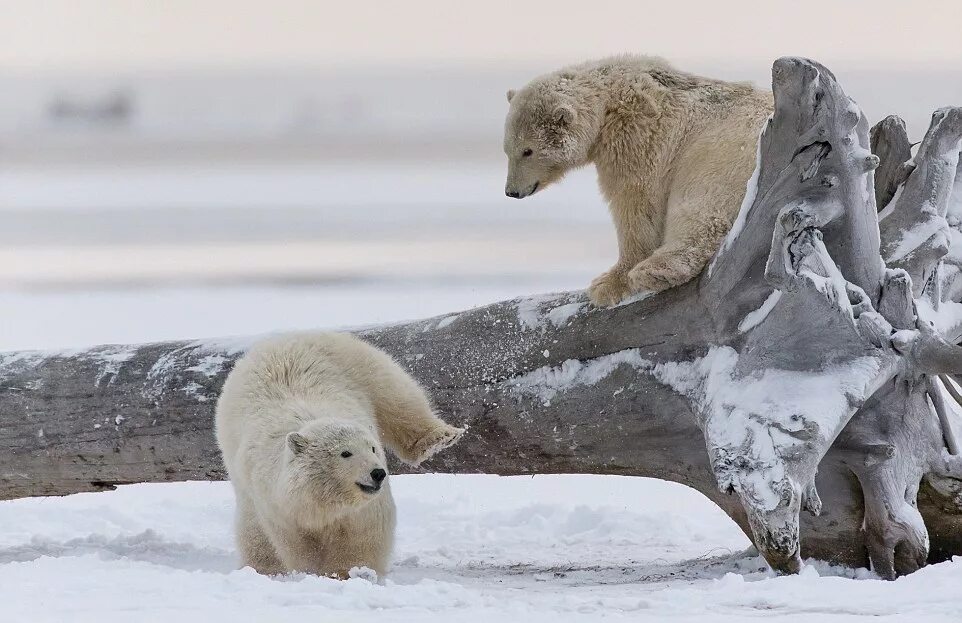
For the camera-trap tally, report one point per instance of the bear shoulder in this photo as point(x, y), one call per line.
point(263, 390)
point(290, 379)
point(305, 363)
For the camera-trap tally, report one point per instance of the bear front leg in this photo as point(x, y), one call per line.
point(665, 269)
point(405, 420)
point(255, 548)
point(434, 440)
point(415, 434)
point(301, 552)
point(638, 233)
point(609, 288)
point(363, 538)
point(681, 258)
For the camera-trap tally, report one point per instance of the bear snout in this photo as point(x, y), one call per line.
point(378, 475)
point(521, 194)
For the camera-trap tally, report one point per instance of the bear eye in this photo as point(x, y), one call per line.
point(526, 153)
point(346, 454)
point(373, 450)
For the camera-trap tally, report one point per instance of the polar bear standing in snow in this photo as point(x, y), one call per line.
point(300, 423)
point(673, 153)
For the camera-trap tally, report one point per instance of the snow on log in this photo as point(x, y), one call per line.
point(796, 374)
point(915, 232)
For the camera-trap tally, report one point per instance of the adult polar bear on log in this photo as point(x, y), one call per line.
point(673, 152)
point(300, 423)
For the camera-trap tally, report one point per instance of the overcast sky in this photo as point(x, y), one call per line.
point(108, 34)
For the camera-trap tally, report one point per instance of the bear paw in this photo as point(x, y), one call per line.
point(435, 441)
point(608, 289)
point(654, 277)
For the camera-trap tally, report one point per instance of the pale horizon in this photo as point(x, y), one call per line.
point(111, 35)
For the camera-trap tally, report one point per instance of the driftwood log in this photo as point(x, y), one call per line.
point(797, 383)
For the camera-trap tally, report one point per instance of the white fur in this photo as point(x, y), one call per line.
point(288, 411)
point(673, 152)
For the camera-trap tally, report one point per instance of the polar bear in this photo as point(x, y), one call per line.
point(673, 153)
point(302, 422)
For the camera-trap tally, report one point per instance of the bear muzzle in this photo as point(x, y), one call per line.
point(515, 194)
point(377, 478)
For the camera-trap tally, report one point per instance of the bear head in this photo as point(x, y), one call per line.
point(551, 125)
point(335, 465)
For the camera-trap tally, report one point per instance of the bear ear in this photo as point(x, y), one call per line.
point(296, 442)
point(510, 94)
point(564, 115)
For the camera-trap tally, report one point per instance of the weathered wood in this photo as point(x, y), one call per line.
point(86, 420)
point(92, 420)
point(797, 360)
point(890, 142)
point(914, 229)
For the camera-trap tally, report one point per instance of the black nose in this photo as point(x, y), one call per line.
point(377, 475)
point(513, 194)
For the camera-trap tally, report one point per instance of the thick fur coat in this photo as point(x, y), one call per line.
point(302, 423)
point(673, 153)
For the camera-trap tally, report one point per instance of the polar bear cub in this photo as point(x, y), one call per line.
point(302, 423)
point(673, 153)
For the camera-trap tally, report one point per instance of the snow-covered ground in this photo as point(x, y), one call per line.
point(470, 548)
